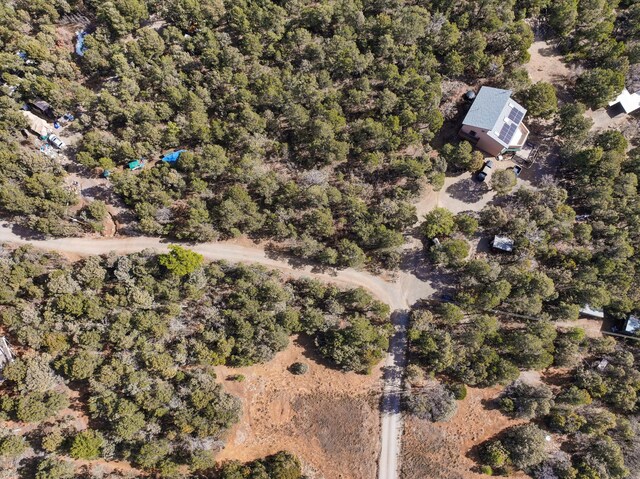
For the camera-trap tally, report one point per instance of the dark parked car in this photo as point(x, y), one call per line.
point(482, 174)
point(517, 170)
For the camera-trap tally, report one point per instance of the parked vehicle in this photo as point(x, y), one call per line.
point(486, 169)
point(517, 170)
point(55, 141)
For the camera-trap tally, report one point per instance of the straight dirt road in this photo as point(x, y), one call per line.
point(398, 295)
point(391, 419)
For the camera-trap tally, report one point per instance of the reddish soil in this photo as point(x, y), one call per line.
point(445, 450)
point(328, 418)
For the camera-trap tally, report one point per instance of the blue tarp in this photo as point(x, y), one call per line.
point(173, 157)
point(80, 48)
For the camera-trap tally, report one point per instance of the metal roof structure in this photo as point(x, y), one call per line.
point(6, 356)
point(593, 312)
point(632, 325)
point(628, 101)
point(502, 243)
point(495, 111)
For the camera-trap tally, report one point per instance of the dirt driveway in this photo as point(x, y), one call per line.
point(465, 193)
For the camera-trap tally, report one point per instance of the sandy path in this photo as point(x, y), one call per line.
point(232, 252)
point(399, 295)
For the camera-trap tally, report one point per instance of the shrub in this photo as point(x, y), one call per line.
point(180, 261)
point(87, 445)
point(540, 100)
point(433, 402)
point(459, 390)
point(298, 368)
point(525, 445)
point(465, 224)
point(51, 468)
point(494, 454)
point(12, 446)
point(525, 400)
point(438, 222)
point(503, 181)
point(486, 470)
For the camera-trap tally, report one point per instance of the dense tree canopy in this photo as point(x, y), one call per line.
point(303, 122)
point(140, 345)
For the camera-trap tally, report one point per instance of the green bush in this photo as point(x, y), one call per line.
point(180, 261)
point(87, 445)
point(12, 446)
point(486, 470)
point(299, 368)
point(459, 390)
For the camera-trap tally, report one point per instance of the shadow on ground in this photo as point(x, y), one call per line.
point(467, 190)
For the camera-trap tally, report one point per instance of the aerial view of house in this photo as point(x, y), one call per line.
point(494, 122)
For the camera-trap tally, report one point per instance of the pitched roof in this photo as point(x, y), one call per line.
point(5, 353)
point(494, 110)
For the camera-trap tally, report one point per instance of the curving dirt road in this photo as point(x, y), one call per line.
point(398, 295)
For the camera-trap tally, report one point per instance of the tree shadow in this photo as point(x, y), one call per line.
point(467, 190)
point(393, 375)
point(101, 193)
point(490, 404)
point(549, 51)
point(450, 128)
point(26, 233)
point(310, 352)
point(28, 466)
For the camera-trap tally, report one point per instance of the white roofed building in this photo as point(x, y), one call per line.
point(629, 102)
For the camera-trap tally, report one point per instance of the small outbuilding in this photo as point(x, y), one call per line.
point(592, 312)
point(632, 324)
point(502, 243)
point(43, 108)
point(37, 125)
point(629, 102)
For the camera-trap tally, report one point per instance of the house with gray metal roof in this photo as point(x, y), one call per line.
point(494, 122)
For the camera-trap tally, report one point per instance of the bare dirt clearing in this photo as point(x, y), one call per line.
point(546, 65)
point(325, 417)
point(441, 450)
point(609, 118)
